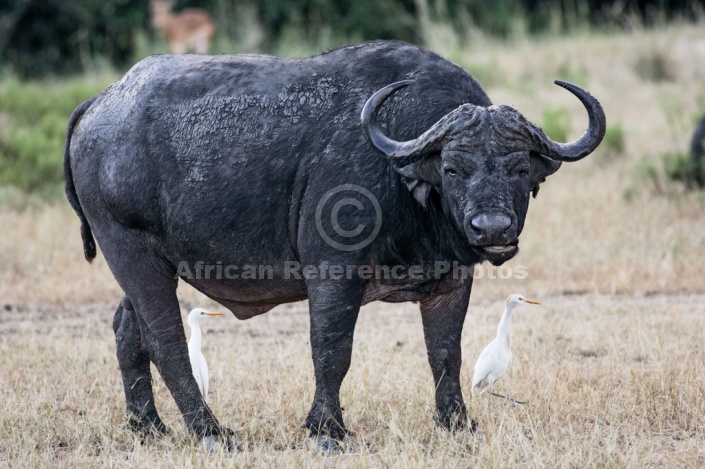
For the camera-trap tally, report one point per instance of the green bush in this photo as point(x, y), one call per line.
point(556, 124)
point(677, 169)
point(41, 37)
point(683, 168)
point(34, 117)
point(613, 145)
point(366, 19)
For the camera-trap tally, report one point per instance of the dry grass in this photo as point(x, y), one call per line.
point(612, 376)
point(608, 380)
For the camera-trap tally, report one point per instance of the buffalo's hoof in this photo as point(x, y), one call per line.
point(145, 427)
point(326, 445)
point(454, 423)
point(225, 440)
point(212, 444)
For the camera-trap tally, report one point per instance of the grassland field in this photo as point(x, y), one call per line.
point(611, 365)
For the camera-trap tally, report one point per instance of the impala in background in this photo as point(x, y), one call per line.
point(190, 29)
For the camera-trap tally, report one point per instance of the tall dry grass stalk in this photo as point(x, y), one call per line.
point(612, 377)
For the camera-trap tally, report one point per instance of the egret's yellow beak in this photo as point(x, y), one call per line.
point(531, 302)
point(213, 313)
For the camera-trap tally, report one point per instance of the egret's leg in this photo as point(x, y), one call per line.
point(443, 316)
point(510, 399)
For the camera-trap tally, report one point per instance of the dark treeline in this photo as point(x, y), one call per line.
point(39, 37)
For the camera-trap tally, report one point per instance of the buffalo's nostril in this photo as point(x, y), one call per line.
point(503, 223)
point(478, 223)
point(490, 223)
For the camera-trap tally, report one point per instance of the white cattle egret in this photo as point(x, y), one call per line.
point(198, 361)
point(495, 359)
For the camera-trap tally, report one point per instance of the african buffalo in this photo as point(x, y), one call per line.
point(697, 150)
point(249, 177)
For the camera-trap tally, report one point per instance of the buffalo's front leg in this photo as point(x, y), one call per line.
point(443, 316)
point(133, 358)
point(334, 308)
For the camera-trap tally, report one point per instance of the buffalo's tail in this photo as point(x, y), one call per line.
point(89, 248)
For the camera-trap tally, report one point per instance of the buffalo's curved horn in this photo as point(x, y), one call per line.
point(385, 145)
point(587, 143)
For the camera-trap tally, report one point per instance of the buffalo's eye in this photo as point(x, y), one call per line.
point(520, 171)
point(451, 172)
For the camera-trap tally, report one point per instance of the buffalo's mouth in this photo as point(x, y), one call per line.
point(500, 249)
point(497, 254)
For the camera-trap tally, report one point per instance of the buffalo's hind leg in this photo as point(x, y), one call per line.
point(163, 334)
point(334, 307)
point(149, 281)
point(133, 358)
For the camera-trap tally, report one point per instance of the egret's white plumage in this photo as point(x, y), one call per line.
point(198, 361)
point(495, 359)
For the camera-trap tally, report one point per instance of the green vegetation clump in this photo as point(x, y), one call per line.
point(556, 124)
point(33, 118)
point(683, 168)
point(613, 145)
point(677, 170)
point(42, 37)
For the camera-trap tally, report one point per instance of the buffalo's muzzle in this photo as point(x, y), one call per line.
point(494, 231)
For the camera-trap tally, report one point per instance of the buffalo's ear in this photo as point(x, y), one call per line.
point(421, 177)
point(541, 168)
